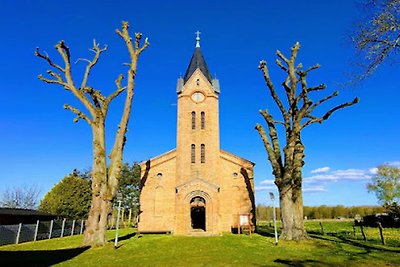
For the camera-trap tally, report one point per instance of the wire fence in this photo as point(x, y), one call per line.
point(19, 233)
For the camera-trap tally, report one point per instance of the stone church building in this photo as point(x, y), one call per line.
point(197, 187)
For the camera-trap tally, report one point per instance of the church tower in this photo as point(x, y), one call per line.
point(196, 188)
point(198, 121)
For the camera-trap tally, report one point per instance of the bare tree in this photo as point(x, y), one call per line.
point(23, 197)
point(104, 180)
point(378, 34)
point(287, 163)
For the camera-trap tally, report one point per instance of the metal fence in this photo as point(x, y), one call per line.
point(18, 233)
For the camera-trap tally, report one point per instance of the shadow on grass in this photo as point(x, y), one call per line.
point(267, 231)
point(124, 237)
point(38, 257)
point(301, 263)
point(340, 238)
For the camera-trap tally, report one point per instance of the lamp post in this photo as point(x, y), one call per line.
point(119, 199)
point(271, 195)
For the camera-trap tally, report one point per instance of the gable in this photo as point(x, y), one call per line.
point(242, 162)
point(153, 162)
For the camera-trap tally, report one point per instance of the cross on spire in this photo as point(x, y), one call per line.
point(197, 38)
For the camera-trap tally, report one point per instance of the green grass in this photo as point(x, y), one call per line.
point(337, 247)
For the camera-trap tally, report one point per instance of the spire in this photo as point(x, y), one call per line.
point(198, 39)
point(197, 61)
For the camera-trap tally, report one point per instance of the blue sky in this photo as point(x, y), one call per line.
point(40, 144)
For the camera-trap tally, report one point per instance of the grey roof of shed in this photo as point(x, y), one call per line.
point(197, 61)
point(23, 212)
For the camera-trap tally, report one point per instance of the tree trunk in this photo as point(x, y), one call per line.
point(286, 208)
point(298, 230)
point(290, 191)
point(291, 206)
point(96, 224)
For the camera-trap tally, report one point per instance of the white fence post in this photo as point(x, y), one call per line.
point(122, 215)
point(18, 233)
point(81, 227)
point(36, 230)
point(130, 217)
point(72, 228)
point(62, 228)
point(51, 228)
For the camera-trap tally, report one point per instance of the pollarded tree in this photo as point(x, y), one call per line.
point(377, 37)
point(104, 180)
point(287, 161)
point(69, 198)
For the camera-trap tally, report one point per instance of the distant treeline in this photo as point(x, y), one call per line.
point(322, 212)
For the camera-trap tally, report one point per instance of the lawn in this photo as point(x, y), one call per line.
point(337, 247)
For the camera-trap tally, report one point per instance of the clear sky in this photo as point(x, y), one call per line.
point(40, 144)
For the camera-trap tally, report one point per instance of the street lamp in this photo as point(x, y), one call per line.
point(271, 195)
point(119, 200)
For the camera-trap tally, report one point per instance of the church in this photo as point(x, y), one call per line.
point(196, 188)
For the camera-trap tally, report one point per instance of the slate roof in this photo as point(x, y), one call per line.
point(197, 61)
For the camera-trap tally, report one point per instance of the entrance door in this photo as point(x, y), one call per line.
point(198, 213)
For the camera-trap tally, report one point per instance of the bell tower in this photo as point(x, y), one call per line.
point(198, 143)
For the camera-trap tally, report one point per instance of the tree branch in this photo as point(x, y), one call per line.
point(120, 138)
point(80, 114)
point(322, 86)
point(270, 151)
point(281, 56)
point(46, 57)
point(311, 109)
point(272, 133)
point(279, 63)
point(98, 99)
point(63, 50)
point(330, 112)
point(97, 51)
point(305, 72)
point(263, 67)
point(40, 76)
point(119, 90)
point(292, 74)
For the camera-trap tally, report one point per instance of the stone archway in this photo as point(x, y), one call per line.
point(198, 199)
point(198, 213)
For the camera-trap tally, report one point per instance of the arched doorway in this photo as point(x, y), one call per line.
point(198, 213)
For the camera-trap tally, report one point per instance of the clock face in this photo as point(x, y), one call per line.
point(198, 97)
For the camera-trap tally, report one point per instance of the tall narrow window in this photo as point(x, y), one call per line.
point(203, 153)
point(193, 153)
point(203, 120)
point(193, 120)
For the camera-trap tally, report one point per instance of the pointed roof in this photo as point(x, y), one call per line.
point(197, 61)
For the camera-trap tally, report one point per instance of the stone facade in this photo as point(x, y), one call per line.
point(196, 188)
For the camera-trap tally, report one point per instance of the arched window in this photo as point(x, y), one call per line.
point(203, 153)
point(193, 153)
point(203, 120)
point(193, 120)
